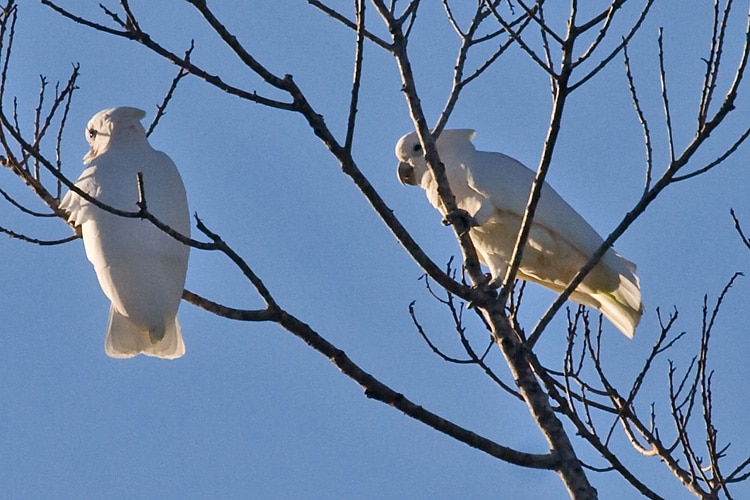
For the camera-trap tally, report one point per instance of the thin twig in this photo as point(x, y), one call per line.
point(737, 226)
point(641, 119)
point(22, 208)
point(162, 108)
point(664, 96)
point(36, 241)
point(346, 22)
point(357, 79)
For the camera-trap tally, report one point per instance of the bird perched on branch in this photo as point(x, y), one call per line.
point(140, 268)
point(494, 188)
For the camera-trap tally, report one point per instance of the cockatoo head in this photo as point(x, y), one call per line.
point(111, 125)
point(412, 166)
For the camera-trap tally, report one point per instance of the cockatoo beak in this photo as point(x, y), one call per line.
point(406, 174)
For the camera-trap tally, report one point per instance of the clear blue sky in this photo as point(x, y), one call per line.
point(252, 411)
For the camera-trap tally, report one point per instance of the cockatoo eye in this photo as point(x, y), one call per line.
point(417, 148)
point(92, 133)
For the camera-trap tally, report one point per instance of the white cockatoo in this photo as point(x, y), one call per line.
point(494, 189)
point(140, 268)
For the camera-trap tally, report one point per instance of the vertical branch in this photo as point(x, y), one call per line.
point(58, 144)
point(664, 97)
point(10, 10)
point(714, 60)
point(546, 47)
point(37, 121)
point(468, 40)
point(359, 6)
point(641, 119)
point(458, 219)
point(558, 105)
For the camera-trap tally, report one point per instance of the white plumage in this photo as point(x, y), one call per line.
point(140, 268)
point(494, 189)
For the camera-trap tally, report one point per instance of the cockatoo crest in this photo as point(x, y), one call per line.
point(111, 125)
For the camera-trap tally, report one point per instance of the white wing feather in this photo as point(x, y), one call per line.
point(560, 241)
point(506, 183)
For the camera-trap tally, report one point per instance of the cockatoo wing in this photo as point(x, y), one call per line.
point(506, 183)
point(560, 241)
point(79, 210)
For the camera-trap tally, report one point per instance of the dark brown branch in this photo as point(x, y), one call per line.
point(520, 41)
point(162, 108)
point(358, 58)
point(375, 389)
point(718, 161)
point(9, 11)
point(467, 42)
point(61, 128)
point(36, 241)
point(641, 119)
point(146, 40)
point(20, 207)
point(536, 14)
point(737, 226)
point(229, 312)
point(613, 53)
point(435, 349)
point(666, 179)
point(713, 63)
point(457, 318)
point(665, 96)
point(349, 24)
point(38, 133)
point(317, 123)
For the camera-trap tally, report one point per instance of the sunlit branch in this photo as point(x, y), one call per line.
point(458, 219)
point(718, 161)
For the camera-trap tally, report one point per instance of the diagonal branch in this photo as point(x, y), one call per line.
point(349, 24)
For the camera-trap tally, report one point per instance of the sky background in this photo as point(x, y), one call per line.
point(252, 411)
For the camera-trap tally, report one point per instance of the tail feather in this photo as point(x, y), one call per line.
point(613, 288)
point(125, 339)
point(622, 306)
